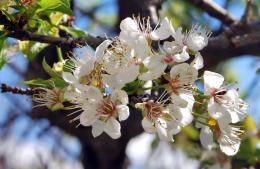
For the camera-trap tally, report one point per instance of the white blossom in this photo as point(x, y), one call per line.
point(163, 31)
point(227, 136)
point(222, 100)
point(103, 113)
point(85, 69)
point(136, 34)
point(164, 119)
point(120, 64)
point(181, 81)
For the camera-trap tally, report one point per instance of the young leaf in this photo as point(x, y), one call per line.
point(54, 5)
point(37, 82)
point(76, 33)
point(50, 83)
point(133, 87)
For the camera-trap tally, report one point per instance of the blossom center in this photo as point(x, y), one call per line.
point(94, 78)
point(218, 94)
point(175, 85)
point(107, 109)
point(213, 123)
point(153, 110)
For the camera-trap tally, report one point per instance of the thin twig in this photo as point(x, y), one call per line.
point(16, 90)
point(214, 10)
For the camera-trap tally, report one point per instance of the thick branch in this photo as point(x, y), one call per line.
point(239, 40)
point(214, 10)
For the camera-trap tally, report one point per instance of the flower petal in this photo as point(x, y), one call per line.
point(100, 50)
point(97, 128)
point(123, 112)
point(163, 134)
point(198, 62)
point(206, 138)
point(88, 117)
point(178, 69)
point(85, 69)
point(128, 74)
point(153, 73)
point(164, 31)
point(92, 95)
point(212, 80)
point(68, 77)
point(178, 36)
point(215, 110)
point(181, 57)
point(119, 96)
point(111, 81)
point(112, 128)
point(226, 146)
point(148, 126)
point(128, 24)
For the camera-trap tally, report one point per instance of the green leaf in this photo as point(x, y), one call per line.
point(50, 83)
point(37, 82)
point(56, 17)
point(48, 69)
point(2, 34)
point(57, 82)
point(3, 57)
point(54, 5)
point(133, 87)
point(3, 61)
point(76, 33)
point(191, 132)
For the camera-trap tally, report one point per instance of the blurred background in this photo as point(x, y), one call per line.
point(40, 139)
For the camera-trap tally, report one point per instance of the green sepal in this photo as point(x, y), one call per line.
point(48, 69)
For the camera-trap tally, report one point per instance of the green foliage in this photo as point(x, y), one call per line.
point(133, 87)
point(3, 57)
point(49, 70)
point(32, 49)
point(76, 33)
point(191, 132)
point(47, 6)
point(50, 83)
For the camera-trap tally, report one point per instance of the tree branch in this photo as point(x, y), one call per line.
point(214, 10)
point(15, 31)
point(16, 90)
point(59, 41)
point(238, 40)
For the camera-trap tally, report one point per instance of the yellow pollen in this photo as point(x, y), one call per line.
point(212, 122)
point(95, 83)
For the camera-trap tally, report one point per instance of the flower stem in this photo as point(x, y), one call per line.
point(201, 122)
point(59, 52)
point(199, 115)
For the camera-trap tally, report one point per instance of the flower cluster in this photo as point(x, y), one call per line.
point(97, 85)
